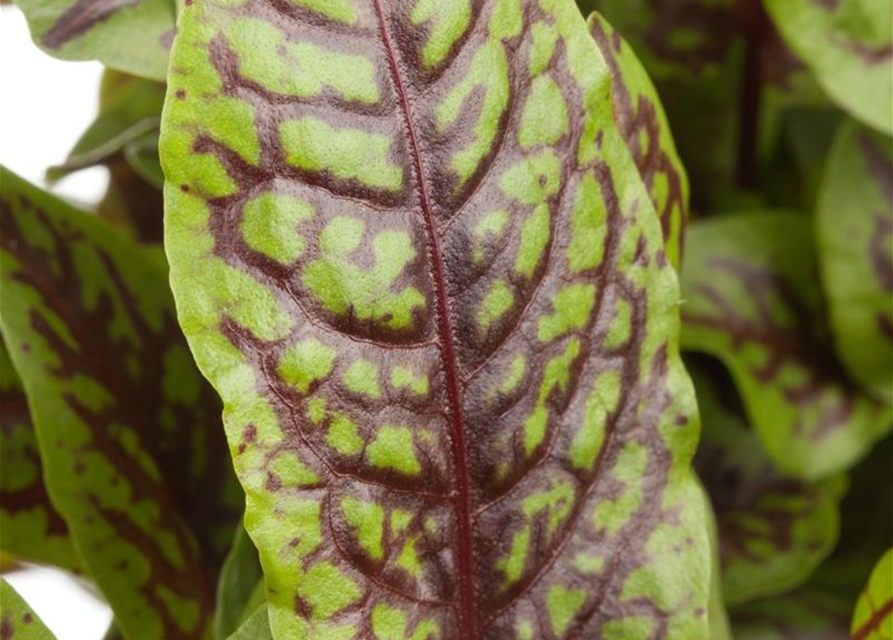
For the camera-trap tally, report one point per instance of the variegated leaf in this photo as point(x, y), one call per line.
point(873, 618)
point(412, 252)
point(17, 620)
point(130, 435)
point(129, 35)
point(752, 299)
point(855, 250)
point(773, 531)
point(848, 44)
point(643, 124)
point(30, 526)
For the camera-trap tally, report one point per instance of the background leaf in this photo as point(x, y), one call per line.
point(848, 44)
point(32, 529)
point(752, 301)
point(240, 578)
point(428, 282)
point(854, 229)
point(131, 35)
point(773, 531)
point(134, 457)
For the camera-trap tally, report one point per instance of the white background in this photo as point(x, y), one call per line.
point(44, 106)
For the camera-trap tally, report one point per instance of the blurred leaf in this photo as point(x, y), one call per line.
point(752, 300)
point(854, 229)
point(133, 450)
point(130, 35)
point(237, 584)
point(773, 531)
point(848, 44)
point(30, 527)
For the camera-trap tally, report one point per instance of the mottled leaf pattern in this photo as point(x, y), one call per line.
point(17, 620)
point(129, 35)
point(855, 248)
point(848, 44)
point(873, 618)
point(31, 527)
point(773, 531)
point(752, 299)
point(412, 252)
point(134, 457)
point(643, 124)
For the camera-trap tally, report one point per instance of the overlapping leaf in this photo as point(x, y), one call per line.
point(17, 620)
point(240, 587)
point(806, 614)
point(130, 35)
point(257, 627)
point(412, 252)
point(855, 249)
point(643, 124)
point(134, 458)
point(848, 44)
point(752, 299)
point(31, 528)
point(773, 531)
point(873, 618)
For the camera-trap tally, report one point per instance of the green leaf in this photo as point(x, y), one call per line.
point(773, 531)
point(31, 527)
point(848, 44)
point(129, 110)
point(873, 617)
point(412, 252)
point(257, 627)
point(854, 229)
point(130, 436)
point(17, 620)
point(130, 35)
point(753, 301)
point(643, 124)
point(237, 585)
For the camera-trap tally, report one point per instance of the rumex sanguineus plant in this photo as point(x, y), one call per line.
point(411, 320)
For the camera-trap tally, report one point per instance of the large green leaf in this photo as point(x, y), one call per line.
point(848, 44)
point(855, 250)
point(17, 620)
point(30, 527)
point(130, 436)
point(412, 252)
point(773, 531)
point(130, 35)
point(752, 299)
point(643, 124)
point(873, 618)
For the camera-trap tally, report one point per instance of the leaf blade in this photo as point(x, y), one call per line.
point(312, 258)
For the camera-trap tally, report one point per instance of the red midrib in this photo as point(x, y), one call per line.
point(462, 498)
point(874, 621)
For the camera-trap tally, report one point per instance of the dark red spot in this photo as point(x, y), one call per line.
point(181, 94)
point(6, 628)
point(599, 138)
point(699, 612)
point(27, 618)
point(26, 347)
point(273, 482)
point(184, 188)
